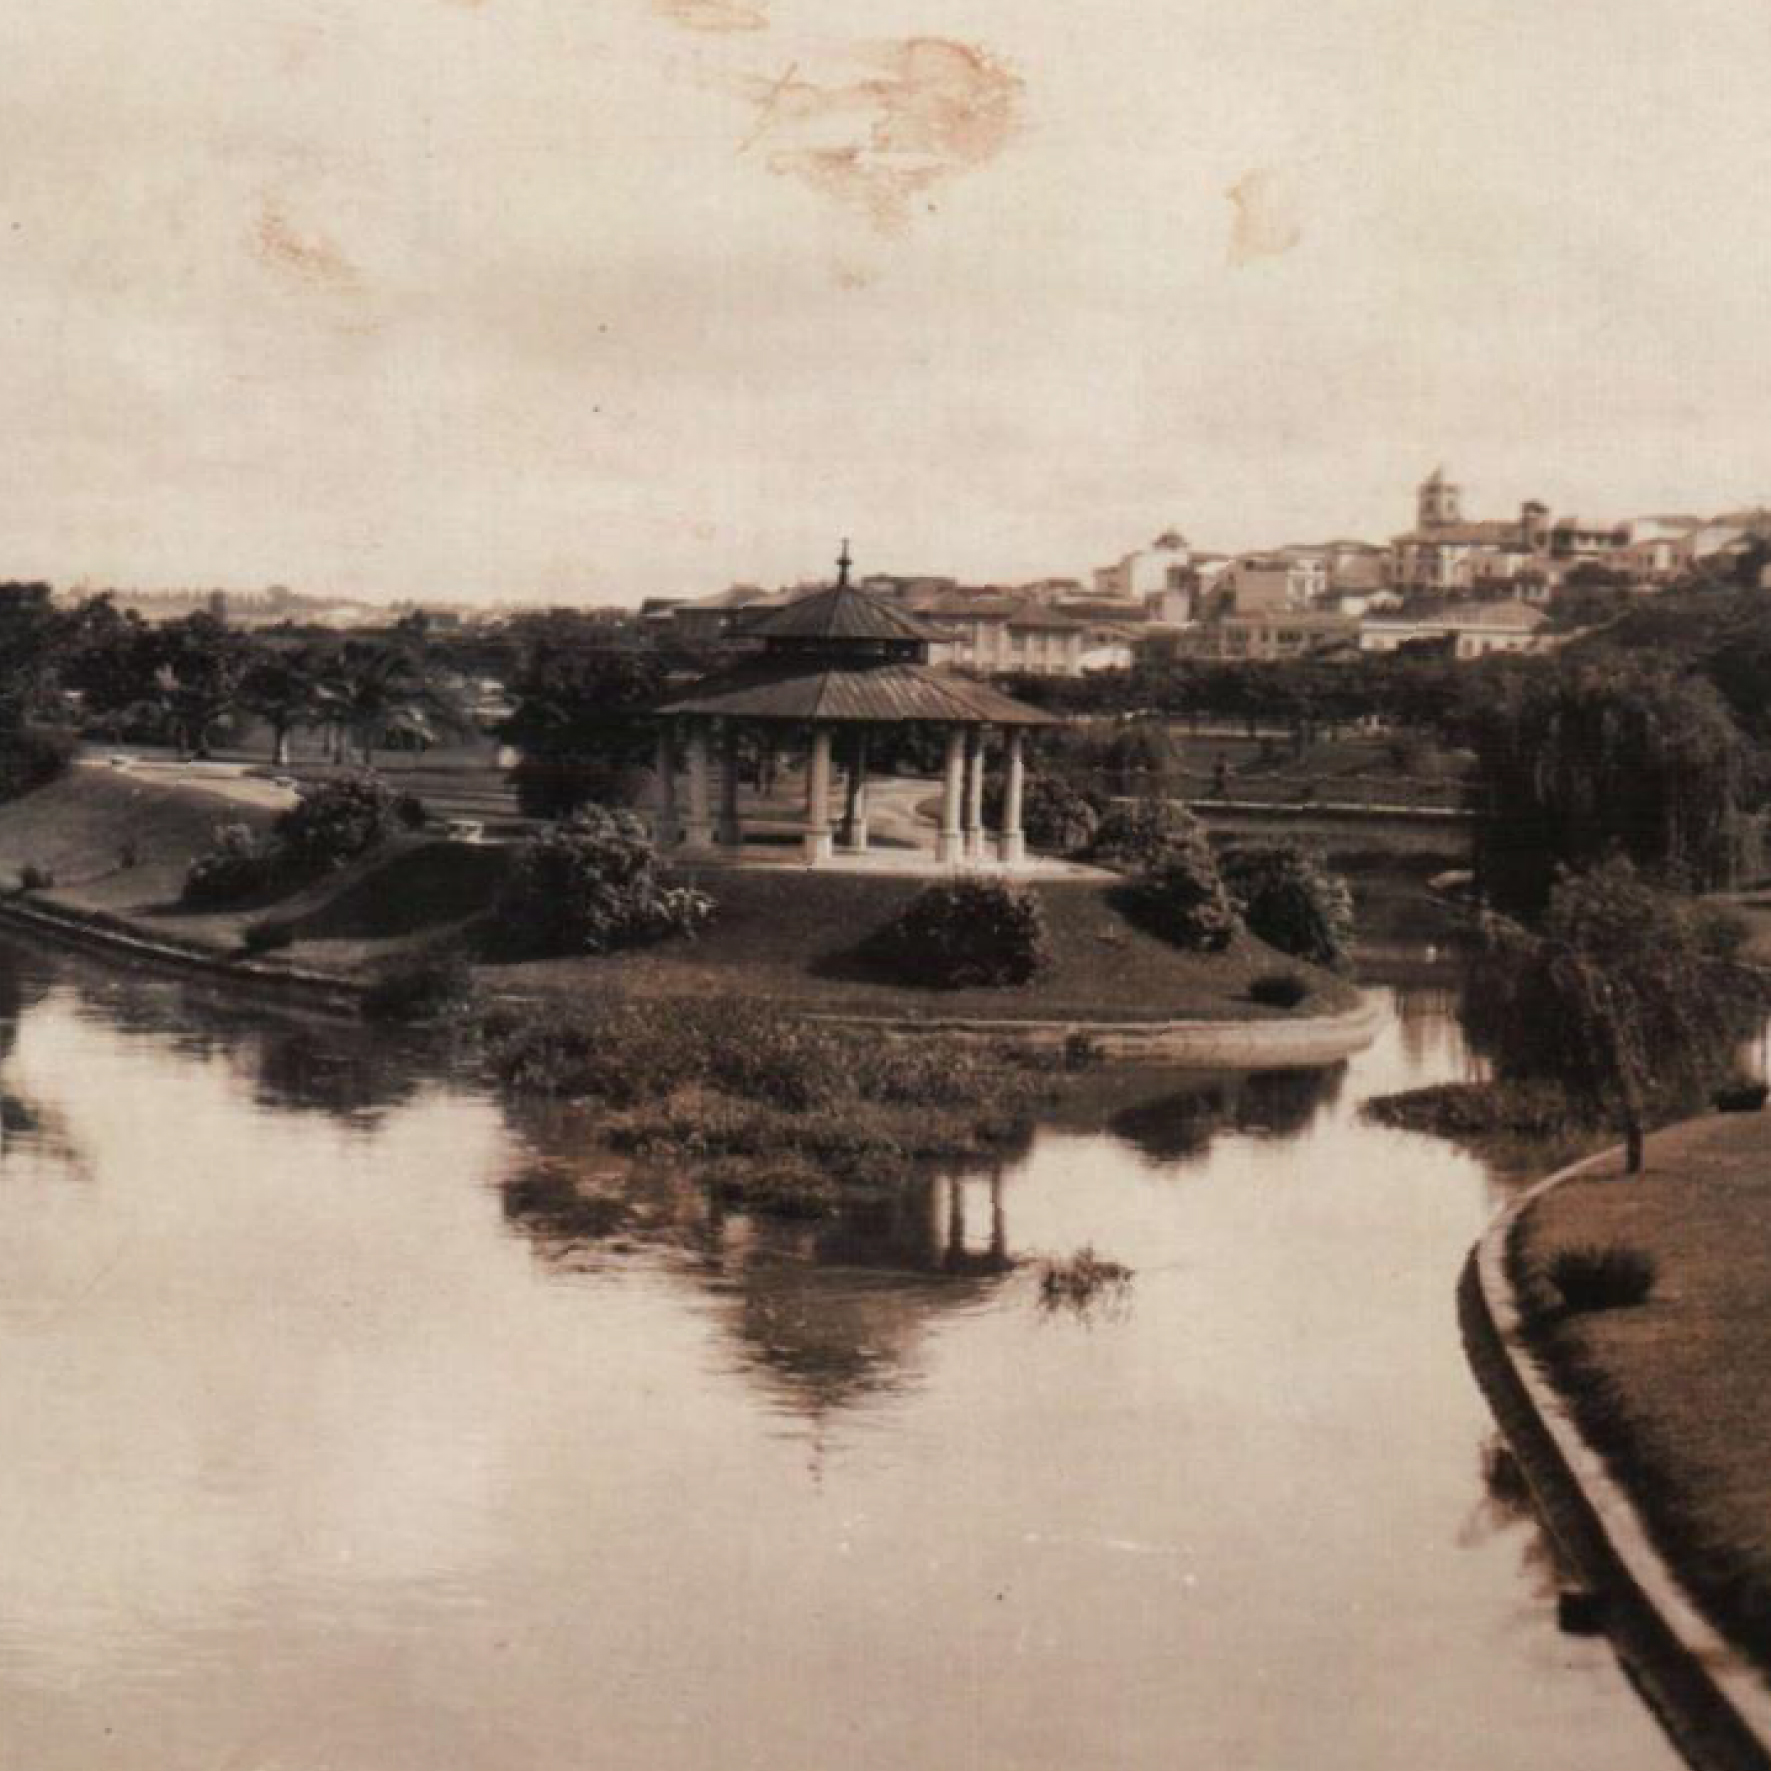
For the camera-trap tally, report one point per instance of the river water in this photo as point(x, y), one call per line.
point(343, 1432)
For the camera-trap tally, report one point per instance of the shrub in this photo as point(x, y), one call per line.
point(968, 931)
point(1058, 817)
point(1602, 1278)
point(593, 884)
point(268, 935)
point(1279, 990)
point(410, 812)
point(1181, 895)
point(1135, 835)
point(237, 864)
point(33, 756)
point(32, 878)
point(557, 787)
point(1288, 897)
point(335, 821)
point(1741, 1095)
point(432, 985)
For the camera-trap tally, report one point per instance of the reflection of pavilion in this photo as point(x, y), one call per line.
point(828, 1312)
point(837, 668)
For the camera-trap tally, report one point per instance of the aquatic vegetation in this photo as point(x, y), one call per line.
point(1082, 1283)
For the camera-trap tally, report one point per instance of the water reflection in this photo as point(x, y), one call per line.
point(1179, 1123)
point(825, 1313)
point(355, 1420)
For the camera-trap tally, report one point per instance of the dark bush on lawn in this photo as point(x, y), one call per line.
point(960, 933)
point(592, 884)
point(1058, 817)
point(32, 878)
point(1602, 1278)
point(436, 984)
point(1135, 834)
point(32, 756)
point(1291, 900)
point(268, 935)
point(1181, 895)
point(410, 812)
point(334, 822)
point(237, 864)
point(1278, 990)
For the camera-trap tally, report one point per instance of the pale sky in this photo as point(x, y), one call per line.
point(595, 299)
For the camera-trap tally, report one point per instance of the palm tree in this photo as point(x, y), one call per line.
point(376, 691)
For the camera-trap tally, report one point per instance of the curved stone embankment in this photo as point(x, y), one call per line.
point(108, 938)
point(1272, 1044)
point(1711, 1700)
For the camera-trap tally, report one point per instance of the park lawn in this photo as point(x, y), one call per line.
point(1673, 1392)
point(791, 936)
point(781, 934)
point(411, 890)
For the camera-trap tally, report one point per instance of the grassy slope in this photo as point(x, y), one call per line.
point(1673, 1392)
point(785, 934)
point(791, 936)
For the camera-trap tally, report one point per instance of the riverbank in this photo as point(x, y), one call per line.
point(110, 852)
point(1641, 1426)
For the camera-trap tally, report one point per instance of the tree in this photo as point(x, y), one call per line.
point(1575, 763)
point(1626, 998)
point(375, 691)
point(286, 687)
point(582, 719)
point(32, 635)
point(199, 665)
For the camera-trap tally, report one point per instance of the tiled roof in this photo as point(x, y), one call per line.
point(778, 689)
point(842, 612)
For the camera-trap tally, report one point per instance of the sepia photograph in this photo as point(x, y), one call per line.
point(885, 885)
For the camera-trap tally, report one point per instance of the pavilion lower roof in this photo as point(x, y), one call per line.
point(885, 693)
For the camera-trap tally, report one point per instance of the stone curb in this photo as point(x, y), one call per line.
point(1713, 1702)
point(1252, 1045)
point(75, 929)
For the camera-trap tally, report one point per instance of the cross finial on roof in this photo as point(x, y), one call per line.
point(843, 562)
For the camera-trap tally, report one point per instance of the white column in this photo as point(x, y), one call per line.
point(854, 818)
point(974, 795)
point(817, 837)
point(731, 832)
point(950, 844)
point(664, 827)
point(1013, 843)
point(698, 827)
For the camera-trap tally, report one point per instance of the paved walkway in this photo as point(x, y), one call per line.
point(228, 781)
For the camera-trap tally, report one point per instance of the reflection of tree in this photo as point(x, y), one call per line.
point(1179, 1124)
point(24, 981)
point(1426, 1022)
point(823, 1312)
point(336, 1070)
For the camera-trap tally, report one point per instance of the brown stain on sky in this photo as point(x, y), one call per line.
point(713, 15)
point(1265, 222)
point(303, 257)
point(933, 109)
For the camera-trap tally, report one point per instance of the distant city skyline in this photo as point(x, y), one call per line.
point(529, 300)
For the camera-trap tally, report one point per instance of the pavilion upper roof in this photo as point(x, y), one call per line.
point(841, 612)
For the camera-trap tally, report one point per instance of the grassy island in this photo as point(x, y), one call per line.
point(115, 846)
